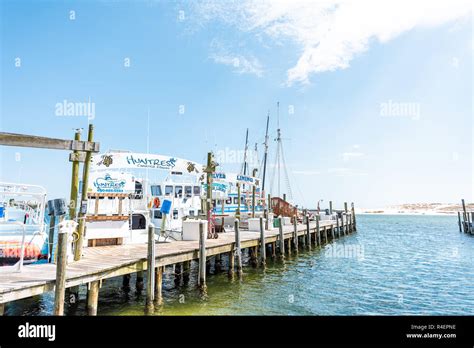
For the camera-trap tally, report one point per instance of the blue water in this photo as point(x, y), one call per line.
point(393, 265)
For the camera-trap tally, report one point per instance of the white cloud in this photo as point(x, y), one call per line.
point(329, 34)
point(241, 64)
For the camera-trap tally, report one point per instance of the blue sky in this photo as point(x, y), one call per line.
point(228, 66)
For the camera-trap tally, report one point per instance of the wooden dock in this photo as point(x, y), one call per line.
point(99, 263)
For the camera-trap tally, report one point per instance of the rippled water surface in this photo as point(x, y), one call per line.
point(393, 265)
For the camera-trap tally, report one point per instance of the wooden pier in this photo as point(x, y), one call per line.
point(105, 262)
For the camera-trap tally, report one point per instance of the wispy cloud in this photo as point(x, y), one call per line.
point(345, 172)
point(240, 63)
point(329, 34)
point(306, 172)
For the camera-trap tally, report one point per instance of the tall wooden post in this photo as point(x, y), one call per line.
point(202, 258)
point(209, 170)
point(354, 225)
point(238, 251)
point(318, 235)
point(83, 207)
point(74, 180)
point(159, 285)
point(237, 212)
point(262, 244)
point(464, 215)
point(459, 222)
point(308, 233)
point(65, 229)
point(295, 233)
point(230, 272)
point(281, 238)
point(151, 260)
point(330, 207)
point(338, 228)
point(93, 298)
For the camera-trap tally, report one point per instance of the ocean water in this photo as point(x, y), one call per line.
point(393, 265)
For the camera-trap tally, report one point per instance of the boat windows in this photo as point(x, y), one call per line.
point(156, 190)
point(197, 190)
point(157, 214)
point(168, 190)
point(178, 191)
point(188, 191)
point(228, 200)
point(138, 190)
point(138, 222)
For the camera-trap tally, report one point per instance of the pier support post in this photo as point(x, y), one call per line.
point(178, 274)
point(464, 215)
point(318, 235)
point(159, 285)
point(230, 272)
point(459, 222)
point(93, 298)
point(281, 237)
point(262, 244)
point(150, 272)
point(338, 230)
point(238, 251)
point(65, 228)
point(139, 281)
point(274, 247)
point(308, 233)
point(202, 258)
point(330, 207)
point(2, 309)
point(126, 281)
point(218, 263)
point(186, 272)
point(295, 233)
point(354, 225)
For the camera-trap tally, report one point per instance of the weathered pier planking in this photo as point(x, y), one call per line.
point(99, 263)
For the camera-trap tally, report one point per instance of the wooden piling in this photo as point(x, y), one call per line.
point(230, 271)
point(60, 286)
point(186, 271)
point(202, 258)
point(93, 298)
point(464, 215)
point(159, 285)
point(295, 233)
point(274, 244)
point(238, 251)
point(330, 207)
point(472, 222)
point(2, 309)
point(308, 233)
point(150, 273)
point(281, 238)
point(262, 244)
point(126, 281)
point(318, 235)
point(354, 225)
point(139, 281)
point(459, 221)
point(338, 230)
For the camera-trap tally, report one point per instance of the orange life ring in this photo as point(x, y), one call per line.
point(156, 202)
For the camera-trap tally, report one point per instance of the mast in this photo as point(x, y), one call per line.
point(265, 155)
point(244, 169)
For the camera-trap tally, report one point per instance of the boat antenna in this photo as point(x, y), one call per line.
point(244, 166)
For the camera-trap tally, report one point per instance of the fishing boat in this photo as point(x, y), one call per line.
point(23, 237)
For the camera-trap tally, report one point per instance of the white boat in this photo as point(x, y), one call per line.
point(23, 237)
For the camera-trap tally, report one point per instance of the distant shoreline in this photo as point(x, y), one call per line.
point(428, 213)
